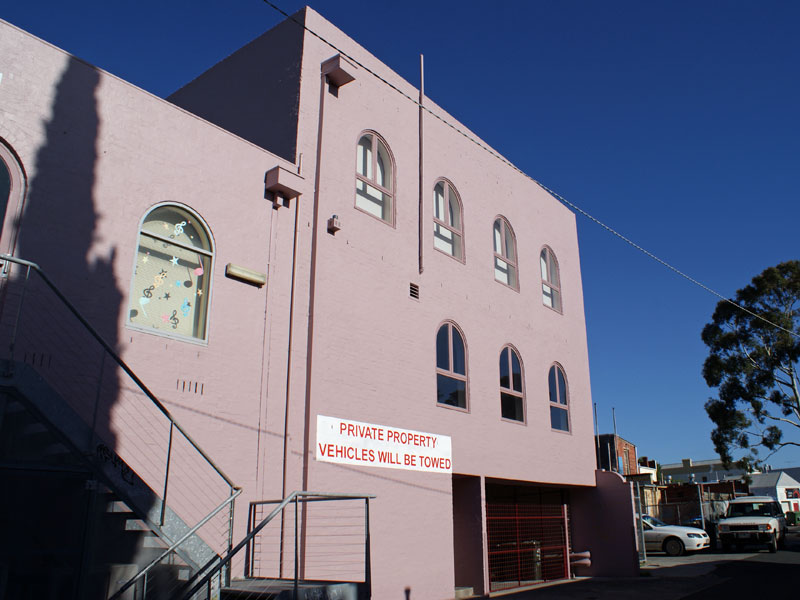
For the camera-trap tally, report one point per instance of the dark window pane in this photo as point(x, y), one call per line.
point(459, 360)
point(504, 375)
point(5, 191)
point(558, 418)
point(451, 391)
point(562, 387)
point(551, 379)
point(443, 348)
point(516, 369)
point(511, 407)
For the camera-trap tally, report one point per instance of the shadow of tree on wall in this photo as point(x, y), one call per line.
point(59, 536)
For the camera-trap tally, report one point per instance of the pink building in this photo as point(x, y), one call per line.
point(311, 284)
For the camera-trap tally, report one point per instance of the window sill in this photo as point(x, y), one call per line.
point(451, 407)
point(561, 431)
point(384, 221)
point(555, 310)
point(166, 335)
point(463, 261)
point(516, 289)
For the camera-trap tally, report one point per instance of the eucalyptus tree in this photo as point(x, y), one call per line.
point(754, 347)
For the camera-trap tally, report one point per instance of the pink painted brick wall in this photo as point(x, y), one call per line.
point(371, 355)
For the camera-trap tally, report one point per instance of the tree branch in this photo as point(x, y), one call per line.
point(782, 420)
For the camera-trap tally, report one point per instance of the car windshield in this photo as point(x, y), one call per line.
point(653, 521)
point(750, 509)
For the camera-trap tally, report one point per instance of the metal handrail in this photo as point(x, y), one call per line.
point(293, 497)
point(234, 490)
point(175, 545)
point(118, 360)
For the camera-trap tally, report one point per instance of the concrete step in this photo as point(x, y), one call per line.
point(283, 589)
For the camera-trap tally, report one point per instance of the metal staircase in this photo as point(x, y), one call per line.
point(98, 510)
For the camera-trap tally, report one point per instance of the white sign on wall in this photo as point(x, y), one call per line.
point(366, 445)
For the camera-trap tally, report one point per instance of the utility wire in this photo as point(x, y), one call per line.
point(505, 161)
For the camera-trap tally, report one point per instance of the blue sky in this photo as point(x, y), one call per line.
point(676, 123)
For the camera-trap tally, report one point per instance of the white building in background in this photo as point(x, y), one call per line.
point(698, 471)
point(781, 486)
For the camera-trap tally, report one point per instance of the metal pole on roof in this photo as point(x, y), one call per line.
point(420, 233)
point(597, 436)
point(616, 458)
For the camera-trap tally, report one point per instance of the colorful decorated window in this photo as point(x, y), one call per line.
point(451, 367)
point(551, 282)
point(447, 231)
point(559, 411)
point(505, 254)
point(512, 397)
point(170, 289)
point(374, 178)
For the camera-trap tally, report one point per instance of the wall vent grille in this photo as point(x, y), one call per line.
point(413, 291)
point(189, 387)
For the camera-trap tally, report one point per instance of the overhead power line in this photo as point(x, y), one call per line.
point(508, 163)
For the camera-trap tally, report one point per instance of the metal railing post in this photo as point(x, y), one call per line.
point(567, 541)
point(367, 559)
point(166, 474)
point(296, 552)
point(249, 554)
point(230, 537)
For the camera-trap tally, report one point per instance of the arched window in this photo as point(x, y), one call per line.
point(551, 282)
point(5, 190)
point(559, 409)
point(12, 194)
point(447, 228)
point(171, 279)
point(505, 254)
point(512, 396)
point(374, 178)
point(451, 367)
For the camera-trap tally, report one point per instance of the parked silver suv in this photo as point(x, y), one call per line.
point(753, 520)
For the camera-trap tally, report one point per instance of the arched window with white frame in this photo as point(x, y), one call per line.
point(448, 233)
point(551, 281)
point(170, 289)
point(512, 393)
point(559, 403)
point(375, 177)
point(505, 254)
point(451, 366)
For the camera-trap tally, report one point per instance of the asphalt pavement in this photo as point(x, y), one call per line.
point(708, 575)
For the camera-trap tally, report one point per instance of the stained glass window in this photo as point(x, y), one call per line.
point(170, 289)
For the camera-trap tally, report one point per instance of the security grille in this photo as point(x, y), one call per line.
point(527, 541)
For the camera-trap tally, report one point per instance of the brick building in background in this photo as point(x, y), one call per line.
point(616, 454)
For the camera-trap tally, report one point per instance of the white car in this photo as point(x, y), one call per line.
point(753, 520)
point(672, 539)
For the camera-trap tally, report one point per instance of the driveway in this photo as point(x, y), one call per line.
point(754, 574)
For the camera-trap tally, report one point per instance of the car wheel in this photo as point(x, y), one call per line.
point(673, 547)
point(773, 544)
